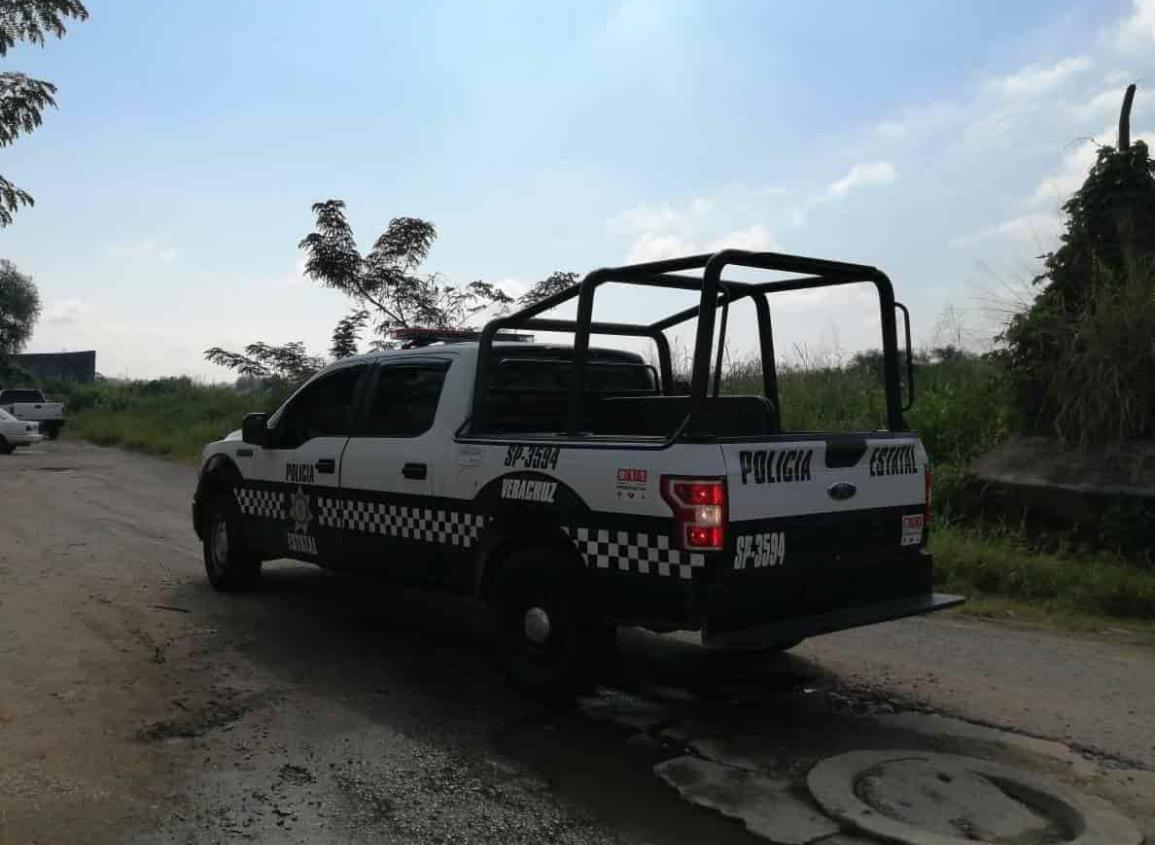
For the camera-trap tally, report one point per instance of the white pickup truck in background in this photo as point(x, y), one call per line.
point(30, 405)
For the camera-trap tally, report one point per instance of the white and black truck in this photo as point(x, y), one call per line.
point(577, 489)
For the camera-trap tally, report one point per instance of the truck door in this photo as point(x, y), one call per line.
point(390, 471)
point(291, 496)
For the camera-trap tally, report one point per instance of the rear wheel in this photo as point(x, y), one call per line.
point(547, 641)
point(229, 564)
point(52, 430)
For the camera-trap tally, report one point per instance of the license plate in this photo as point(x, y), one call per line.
point(911, 529)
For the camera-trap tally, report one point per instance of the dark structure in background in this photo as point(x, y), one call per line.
point(72, 366)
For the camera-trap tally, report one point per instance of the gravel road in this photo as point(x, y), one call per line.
point(136, 705)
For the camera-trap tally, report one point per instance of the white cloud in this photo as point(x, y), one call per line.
point(756, 238)
point(1072, 171)
point(654, 247)
point(1056, 186)
point(65, 311)
point(646, 217)
point(147, 249)
point(866, 175)
point(1138, 31)
point(1037, 228)
point(1034, 80)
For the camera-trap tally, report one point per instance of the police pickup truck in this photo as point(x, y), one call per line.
point(577, 489)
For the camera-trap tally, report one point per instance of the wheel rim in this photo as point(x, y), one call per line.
point(220, 543)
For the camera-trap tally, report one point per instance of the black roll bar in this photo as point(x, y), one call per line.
point(715, 293)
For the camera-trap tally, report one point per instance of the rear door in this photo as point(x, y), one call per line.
point(390, 472)
point(829, 522)
point(291, 496)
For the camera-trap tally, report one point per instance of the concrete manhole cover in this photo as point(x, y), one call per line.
point(941, 799)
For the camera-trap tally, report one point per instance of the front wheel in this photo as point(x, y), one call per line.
point(229, 564)
point(547, 641)
point(5, 447)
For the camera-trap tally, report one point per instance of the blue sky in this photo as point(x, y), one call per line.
point(935, 140)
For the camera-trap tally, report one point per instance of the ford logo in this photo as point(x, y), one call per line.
point(841, 491)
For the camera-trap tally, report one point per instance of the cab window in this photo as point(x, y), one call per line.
point(405, 401)
point(323, 408)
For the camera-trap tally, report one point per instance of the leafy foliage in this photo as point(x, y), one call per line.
point(19, 308)
point(1082, 354)
point(32, 20)
point(388, 291)
point(346, 333)
point(385, 282)
point(288, 363)
point(23, 99)
point(555, 283)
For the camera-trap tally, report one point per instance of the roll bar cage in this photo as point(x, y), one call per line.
point(717, 293)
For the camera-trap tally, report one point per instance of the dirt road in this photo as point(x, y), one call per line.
point(138, 706)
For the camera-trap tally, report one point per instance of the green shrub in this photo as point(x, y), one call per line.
point(174, 417)
point(978, 563)
point(1082, 355)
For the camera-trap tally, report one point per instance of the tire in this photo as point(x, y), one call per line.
point(53, 431)
point(5, 447)
point(548, 643)
point(229, 564)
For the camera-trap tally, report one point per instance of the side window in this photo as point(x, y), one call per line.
point(323, 409)
point(406, 398)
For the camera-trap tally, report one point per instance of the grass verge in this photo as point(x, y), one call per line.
point(173, 418)
point(1060, 585)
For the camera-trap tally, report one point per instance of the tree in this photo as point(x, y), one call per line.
point(19, 308)
point(23, 99)
point(385, 281)
point(286, 363)
point(555, 283)
point(1081, 354)
point(387, 289)
point(346, 334)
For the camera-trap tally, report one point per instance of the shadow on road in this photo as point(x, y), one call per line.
point(422, 663)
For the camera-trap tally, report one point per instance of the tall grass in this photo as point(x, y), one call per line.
point(962, 406)
point(173, 417)
point(1002, 563)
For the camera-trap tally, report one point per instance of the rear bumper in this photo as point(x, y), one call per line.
point(790, 630)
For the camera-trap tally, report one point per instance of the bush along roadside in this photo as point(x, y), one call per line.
point(173, 417)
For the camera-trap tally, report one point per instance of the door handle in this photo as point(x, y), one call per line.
point(415, 471)
point(326, 465)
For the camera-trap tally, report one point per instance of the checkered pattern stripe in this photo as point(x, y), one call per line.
point(634, 551)
point(269, 504)
point(330, 511)
point(431, 525)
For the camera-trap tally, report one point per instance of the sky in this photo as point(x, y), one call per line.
point(934, 140)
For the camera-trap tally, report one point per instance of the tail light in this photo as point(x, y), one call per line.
point(699, 506)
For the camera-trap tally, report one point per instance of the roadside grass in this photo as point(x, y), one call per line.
point(1078, 586)
point(173, 418)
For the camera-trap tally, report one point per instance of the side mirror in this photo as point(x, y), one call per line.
point(255, 429)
